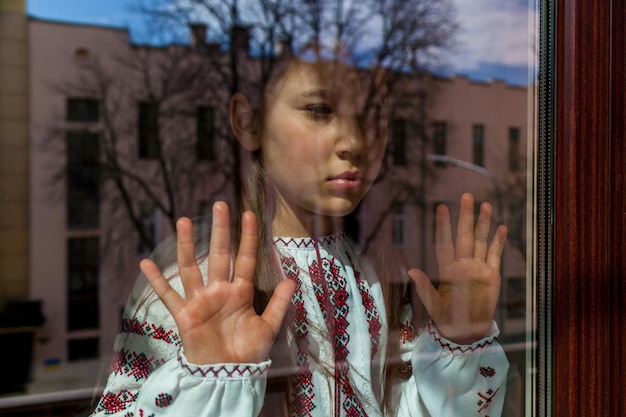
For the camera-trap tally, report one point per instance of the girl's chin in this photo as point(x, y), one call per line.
point(339, 209)
point(335, 206)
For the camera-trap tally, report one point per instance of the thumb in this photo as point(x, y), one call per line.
point(279, 303)
point(427, 292)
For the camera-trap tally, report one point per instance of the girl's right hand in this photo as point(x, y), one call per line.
point(217, 322)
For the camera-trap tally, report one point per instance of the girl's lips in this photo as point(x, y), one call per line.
point(345, 181)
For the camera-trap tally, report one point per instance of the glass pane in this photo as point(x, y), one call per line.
point(82, 110)
point(83, 307)
point(347, 127)
point(83, 182)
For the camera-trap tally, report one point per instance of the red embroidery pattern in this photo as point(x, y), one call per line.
point(487, 372)
point(333, 296)
point(407, 333)
point(301, 403)
point(112, 403)
point(317, 278)
point(458, 348)
point(331, 292)
point(224, 371)
point(371, 312)
point(163, 400)
point(351, 404)
point(486, 399)
point(137, 365)
point(371, 315)
point(151, 330)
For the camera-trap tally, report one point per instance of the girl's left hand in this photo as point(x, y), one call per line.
point(463, 304)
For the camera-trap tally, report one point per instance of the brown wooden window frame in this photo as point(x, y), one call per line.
point(581, 206)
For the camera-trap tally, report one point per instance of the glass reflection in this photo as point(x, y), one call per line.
point(454, 106)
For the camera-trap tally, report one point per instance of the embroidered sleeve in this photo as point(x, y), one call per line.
point(150, 376)
point(456, 380)
point(182, 389)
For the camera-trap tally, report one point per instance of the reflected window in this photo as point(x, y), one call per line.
point(516, 298)
point(515, 223)
point(82, 110)
point(149, 222)
point(398, 226)
point(148, 125)
point(399, 141)
point(439, 138)
point(514, 148)
point(83, 264)
point(478, 145)
point(82, 349)
point(83, 182)
point(206, 149)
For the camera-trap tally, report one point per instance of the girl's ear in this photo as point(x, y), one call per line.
point(243, 123)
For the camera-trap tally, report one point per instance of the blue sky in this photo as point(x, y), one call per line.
point(493, 38)
point(109, 12)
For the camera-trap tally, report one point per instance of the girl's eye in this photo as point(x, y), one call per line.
point(319, 110)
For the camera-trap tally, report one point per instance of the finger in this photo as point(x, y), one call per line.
point(443, 236)
point(279, 304)
point(427, 293)
point(172, 300)
point(245, 265)
point(494, 255)
point(190, 274)
point(465, 228)
point(219, 247)
point(481, 233)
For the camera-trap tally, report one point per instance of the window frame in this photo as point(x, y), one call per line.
point(581, 200)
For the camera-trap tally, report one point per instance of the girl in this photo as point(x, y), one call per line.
point(207, 340)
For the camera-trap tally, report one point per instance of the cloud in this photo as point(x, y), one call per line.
point(494, 39)
point(493, 31)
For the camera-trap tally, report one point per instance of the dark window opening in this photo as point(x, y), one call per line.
point(82, 349)
point(148, 122)
point(148, 220)
point(83, 263)
point(83, 183)
point(397, 232)
point(206, 133)
point(439, 138)
point(514, 151)
point(478, 145)
point(399, 142)
point(82, 110)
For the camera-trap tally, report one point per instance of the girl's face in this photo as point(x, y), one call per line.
point(320, 148)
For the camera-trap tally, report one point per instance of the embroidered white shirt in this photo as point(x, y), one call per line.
point(339, 360)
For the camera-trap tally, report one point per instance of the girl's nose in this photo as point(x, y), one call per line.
point(351, 140)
